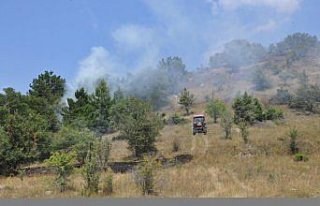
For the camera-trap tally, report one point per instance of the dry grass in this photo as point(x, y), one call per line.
point(219, 168)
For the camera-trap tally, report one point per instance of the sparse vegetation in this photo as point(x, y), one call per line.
point(144, 175)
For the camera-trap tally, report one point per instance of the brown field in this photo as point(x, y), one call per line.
point(219, 167)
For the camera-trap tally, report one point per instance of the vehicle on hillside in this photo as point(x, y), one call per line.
point(199, 124)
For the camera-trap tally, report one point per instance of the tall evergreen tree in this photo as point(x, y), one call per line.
point(102, 103)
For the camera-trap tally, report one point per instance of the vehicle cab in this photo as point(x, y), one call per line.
point(199, 124)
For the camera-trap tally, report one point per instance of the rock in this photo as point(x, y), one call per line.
point(237, 130)
point(48, 192)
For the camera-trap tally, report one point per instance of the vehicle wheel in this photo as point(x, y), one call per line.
point(194, 133)
point(205, 133)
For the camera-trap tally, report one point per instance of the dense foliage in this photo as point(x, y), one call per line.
point(137, 123)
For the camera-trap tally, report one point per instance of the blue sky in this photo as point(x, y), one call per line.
point(83, 40)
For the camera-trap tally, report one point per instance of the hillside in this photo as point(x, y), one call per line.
point(217, 167)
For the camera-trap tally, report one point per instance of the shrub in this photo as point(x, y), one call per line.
point(282, 97)
point(177, 119)
point(215, 108)
point(63, 163)
point(247, 108)
point(272, 114)
point(74, 139)
point(293, 134)
point(300, 157)
point(307, 98)
point(226, 124)
point(186, 99)
point(103, 153)
point(107, 185)
point(243, 126)
point(144, 174)
point(175, 145)
point(137, 124)
point(91, 172)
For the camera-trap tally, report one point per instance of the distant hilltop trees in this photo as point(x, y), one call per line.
point(239, 53)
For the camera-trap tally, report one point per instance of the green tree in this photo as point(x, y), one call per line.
point(186, 100)
point(48, 86)
point(215, 108)
point(102, 103)
point(247, 109)
point(306, 99)
point(79, 112)
point(297, 44)
point(137, 123)
point(24, 133)
point(45, 95)
point(74, 139)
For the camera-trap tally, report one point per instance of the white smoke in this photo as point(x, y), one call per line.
point(98, 65)
point(181, 28)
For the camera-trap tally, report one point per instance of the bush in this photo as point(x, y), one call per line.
point(247, 109)
point(73, 139)
point(307, 98)
point(243, 126)
point(177, 119)
point(103, 153)
point(63, 163)
point(272, 114)
point(175, 145)
point(186, 99)
point(226, 124)
point(282, 97)
point(293, 134)
point(144, 174)
point(137, 124)
point(300, 157)
point(215, 108)
point(91, 172)
point(107, 185)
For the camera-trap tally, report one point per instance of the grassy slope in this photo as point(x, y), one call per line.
point(219, 168)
